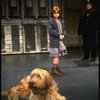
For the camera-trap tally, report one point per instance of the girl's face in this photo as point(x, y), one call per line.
point(56, 14)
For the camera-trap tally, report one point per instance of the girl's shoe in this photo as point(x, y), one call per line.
point(59, 69)
point(55, 72)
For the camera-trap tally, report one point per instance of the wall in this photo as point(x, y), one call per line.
point(72, 12)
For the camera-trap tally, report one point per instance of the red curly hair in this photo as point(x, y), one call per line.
point(56, 8)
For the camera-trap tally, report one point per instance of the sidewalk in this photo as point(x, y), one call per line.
point(79, 81)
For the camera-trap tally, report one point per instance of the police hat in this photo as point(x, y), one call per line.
point(89, 1)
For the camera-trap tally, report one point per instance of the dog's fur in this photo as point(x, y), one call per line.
point(18, 92)
point(39, 85)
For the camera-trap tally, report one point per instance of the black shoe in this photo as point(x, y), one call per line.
point(92, 59)
point(55, 72)
point(59, 69)
point(85, 58)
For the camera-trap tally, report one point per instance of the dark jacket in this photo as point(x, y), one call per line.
point(88, 22)
point(54, 33)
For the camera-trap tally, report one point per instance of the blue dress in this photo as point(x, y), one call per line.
point(57, 47)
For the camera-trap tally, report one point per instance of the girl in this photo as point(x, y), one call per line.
point(56, 32)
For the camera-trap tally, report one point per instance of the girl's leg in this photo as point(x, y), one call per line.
point(56, 60)
point(56, 70)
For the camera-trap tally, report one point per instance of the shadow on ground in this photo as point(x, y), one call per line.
point(85, 63)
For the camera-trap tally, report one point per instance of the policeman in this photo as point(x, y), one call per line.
point(87, 28)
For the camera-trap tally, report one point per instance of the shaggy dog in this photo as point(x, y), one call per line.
point(39, 85)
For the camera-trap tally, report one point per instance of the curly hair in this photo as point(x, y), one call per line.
point(55, 8)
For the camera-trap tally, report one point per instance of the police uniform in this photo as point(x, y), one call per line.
point(87, 28)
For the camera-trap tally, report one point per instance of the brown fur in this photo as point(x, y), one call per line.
point(19, 91)
point(39, 85)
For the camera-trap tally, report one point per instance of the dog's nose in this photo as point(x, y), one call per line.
point(31, 84)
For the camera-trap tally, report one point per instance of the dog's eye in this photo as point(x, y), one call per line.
point(32, 75)
point(38, 76)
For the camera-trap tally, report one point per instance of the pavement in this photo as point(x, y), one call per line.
point(80, 80)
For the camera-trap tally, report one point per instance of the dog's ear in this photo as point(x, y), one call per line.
point(50, 83)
